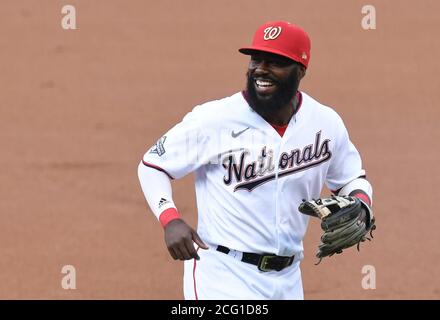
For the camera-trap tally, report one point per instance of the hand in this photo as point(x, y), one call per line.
point(346, 222)
point(179, 238)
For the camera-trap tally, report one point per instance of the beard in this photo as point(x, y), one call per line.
point(284, 94)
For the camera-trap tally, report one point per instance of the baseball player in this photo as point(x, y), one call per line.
point(256, 155)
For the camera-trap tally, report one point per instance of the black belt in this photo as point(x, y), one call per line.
point(265, 262)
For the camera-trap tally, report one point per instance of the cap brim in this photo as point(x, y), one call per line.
point(252, 50)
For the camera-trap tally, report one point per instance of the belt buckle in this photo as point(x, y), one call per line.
point(263, 264)
point(264, 260)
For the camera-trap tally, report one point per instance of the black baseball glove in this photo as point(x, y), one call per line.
point(346, 221)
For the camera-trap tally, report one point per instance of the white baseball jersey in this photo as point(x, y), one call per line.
point(250, 180)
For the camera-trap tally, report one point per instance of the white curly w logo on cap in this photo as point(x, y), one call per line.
point(271, 33)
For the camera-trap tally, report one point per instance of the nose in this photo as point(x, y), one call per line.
point(261, 67)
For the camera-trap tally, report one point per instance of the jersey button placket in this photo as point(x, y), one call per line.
point(277, 193)
point(281, 196)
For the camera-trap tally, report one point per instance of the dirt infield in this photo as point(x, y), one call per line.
point(78, 108)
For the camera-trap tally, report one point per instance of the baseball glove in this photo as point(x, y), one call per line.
point(345, 220)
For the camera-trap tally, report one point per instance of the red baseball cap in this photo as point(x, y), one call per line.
point(281, 38)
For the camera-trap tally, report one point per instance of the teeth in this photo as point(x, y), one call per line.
point(263, 83)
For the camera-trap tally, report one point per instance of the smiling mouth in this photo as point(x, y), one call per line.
point(260, 83)
point(265, 87)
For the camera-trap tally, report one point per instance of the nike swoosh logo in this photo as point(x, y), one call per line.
point(235, 135)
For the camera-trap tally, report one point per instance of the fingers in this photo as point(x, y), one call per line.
point(173, 253)
point(186, 250)
point(179, 253)
point(191, 250)
point(198, 241)
point(179, 239)
point(183, 251)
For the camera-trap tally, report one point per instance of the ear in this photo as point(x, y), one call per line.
point(302, 71)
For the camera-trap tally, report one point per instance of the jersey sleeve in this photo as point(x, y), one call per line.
point(179, 151)
point(345, 164)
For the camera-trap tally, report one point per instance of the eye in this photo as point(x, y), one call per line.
point(276, 63)
point(280, 63)
point(255, 60)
